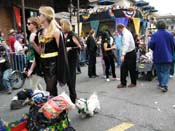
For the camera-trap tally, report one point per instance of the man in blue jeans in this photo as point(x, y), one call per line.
point(118, 41)
point(163, 46)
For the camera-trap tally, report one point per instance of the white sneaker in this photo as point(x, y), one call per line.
point(107, 79)
point(171, 76)
point(118, 79)
point(103, 77)
point(115, 79)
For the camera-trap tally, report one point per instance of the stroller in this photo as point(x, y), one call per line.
point(145, 64)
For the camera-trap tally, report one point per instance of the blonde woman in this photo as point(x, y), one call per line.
point(73, 46)
point(52, 51)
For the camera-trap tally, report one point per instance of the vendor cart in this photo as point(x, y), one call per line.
point(145, 66)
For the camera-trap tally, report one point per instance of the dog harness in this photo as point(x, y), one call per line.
point(84, 110)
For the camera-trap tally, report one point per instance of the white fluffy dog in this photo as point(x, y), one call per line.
point(87, 107)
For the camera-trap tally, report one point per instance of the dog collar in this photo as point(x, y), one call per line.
point(84, 110)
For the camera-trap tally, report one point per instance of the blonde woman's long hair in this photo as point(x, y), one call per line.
point(66, 25)
point(49, 13)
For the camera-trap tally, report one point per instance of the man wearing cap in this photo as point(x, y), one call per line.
point(11, 39)
point(128, 57)
point(18, 43)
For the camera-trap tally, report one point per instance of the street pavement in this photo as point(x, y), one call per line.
point(144, 108)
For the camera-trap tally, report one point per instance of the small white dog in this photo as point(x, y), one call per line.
point(87, 107)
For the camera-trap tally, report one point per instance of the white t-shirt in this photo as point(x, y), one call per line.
point(18, 47)
point(111, 40)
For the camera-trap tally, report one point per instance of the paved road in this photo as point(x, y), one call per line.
point(144, 108)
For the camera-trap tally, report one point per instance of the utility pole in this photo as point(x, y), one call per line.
point(24, 21)
point(70, 11)
point(78, 17)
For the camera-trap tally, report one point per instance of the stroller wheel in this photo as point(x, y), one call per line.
point(149, 76)
point(17, 80)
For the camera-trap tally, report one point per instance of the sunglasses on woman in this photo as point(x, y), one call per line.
point(29, 23)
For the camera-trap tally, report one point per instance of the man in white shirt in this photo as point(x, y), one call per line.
point(18, 44)
point(128, 58)
point(19, 59)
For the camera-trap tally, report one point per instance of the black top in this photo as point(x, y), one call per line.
point(62, 71)
point(106, 53)
point(48, 45)
point(70, 43)
point(91, 45)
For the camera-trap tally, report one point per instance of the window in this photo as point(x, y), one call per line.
point(33, 13)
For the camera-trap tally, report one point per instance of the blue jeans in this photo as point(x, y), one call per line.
point(118, 55)
point(6, 80)
point(163, 72)
point(82, 56)
point(172, 68)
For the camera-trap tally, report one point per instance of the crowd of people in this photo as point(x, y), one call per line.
point(54, 52)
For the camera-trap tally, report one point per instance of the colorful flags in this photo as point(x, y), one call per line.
point(122, 20)
point(111, 14)
point(136, 22)
point(129, 14)
point(94, 25)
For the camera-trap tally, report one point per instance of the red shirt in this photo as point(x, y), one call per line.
point(11, 42)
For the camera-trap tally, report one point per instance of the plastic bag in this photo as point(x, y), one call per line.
point(40, 96)
point(39, 93)
point(57, 105)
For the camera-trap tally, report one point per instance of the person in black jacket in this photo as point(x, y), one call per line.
point(108, 55)
point(73, 46)
point(91, 50)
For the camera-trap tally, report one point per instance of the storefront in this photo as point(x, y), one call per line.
point(11, 13)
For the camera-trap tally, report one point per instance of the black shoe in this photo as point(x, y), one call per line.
point(92, 76)
point(121, 86)
point(164, 89)
point(132, 85)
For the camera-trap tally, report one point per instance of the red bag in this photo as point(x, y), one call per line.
point(20, 127)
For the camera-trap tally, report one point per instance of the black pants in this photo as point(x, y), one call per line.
point(129, 64)
point(72, 81)
point(78, 63)
point(109, 62)
point(49, 68)
point(92, 65)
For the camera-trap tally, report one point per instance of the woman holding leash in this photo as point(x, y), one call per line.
point(73, 46)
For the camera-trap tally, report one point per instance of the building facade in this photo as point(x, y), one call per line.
point(170, 20)
point(11, 13)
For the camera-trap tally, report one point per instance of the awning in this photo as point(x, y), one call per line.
point(105, 2)
point(141, 3)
